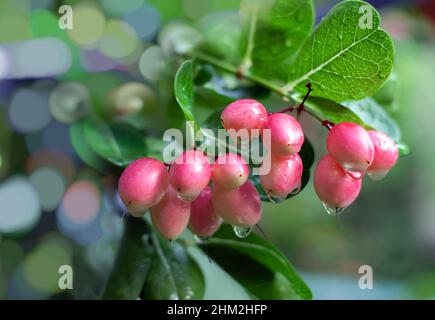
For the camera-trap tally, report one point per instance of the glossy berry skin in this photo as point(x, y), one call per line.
point(204, 221)
point(142, 185)
point(386, 155)
point(239, 207)
point(350, 145)
point(190, 174)
point(284, 177)
point(244, 114)
point(230, 171)
point(335, 187)
point(286, 133)
point(171, 215)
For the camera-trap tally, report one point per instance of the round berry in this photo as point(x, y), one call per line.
point(190, 174)
point(286, 134)
point(230, 171)
point(284, 176)
point(246, 114)
point(386, 155)
point(204, 221)
point(336, 188)
point(239, 207)
point(350, 145)
point(142, 185)
point(171, 215)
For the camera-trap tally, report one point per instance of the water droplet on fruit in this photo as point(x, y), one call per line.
point(201, 238)
point(275, 199)
point(332, 211)
point(377, 176)
point(242, 232)
point(296, 190)
point(355, 174)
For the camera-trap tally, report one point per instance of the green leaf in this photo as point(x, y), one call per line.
point(119, 144)
point(173, 274)
point(257, 265)
point(183, 89)
point(329, 110)
point(274, 30)
point(84, 150)
point(132, 263)
point(388, 96)
point(307, 156)
point(342, 60)
point(374, 116)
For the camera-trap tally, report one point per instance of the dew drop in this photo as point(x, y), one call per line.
point(378, 175)
point(296, 190)
point(242, 232)
point(332, 211)
point(201, 238)
point(355, 174)
point(275, 199)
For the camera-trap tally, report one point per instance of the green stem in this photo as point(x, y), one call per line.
point(261, 81)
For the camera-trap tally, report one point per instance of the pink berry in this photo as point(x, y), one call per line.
point(142, 185)
point(230, 171)
point(286, 134)
point(336, 188)
point(284, 176)
point(246, 114)
point(190, 174)
point(240, 207)
point(386, 155)
point(171, 215)
point(350, 145)
point(204, 222)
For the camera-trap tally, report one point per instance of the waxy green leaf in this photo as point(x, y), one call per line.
point(348, 57)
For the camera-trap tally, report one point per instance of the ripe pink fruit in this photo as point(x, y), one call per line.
point(190, 174)
point(204, 222)
point(142, 185)
point(230, 171)
point(350, 145)
point(239, 207)
point(284, 177)
point(244, 114)
point(171, 215)
point(335, 187)
point(386, 155)
point(286, 133)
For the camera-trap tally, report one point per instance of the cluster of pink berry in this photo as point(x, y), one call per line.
point(286, 140)
point(200, 195)
point(182, 197)
point(353, 151)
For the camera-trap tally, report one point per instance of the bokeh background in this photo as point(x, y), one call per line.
point(117, 62)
